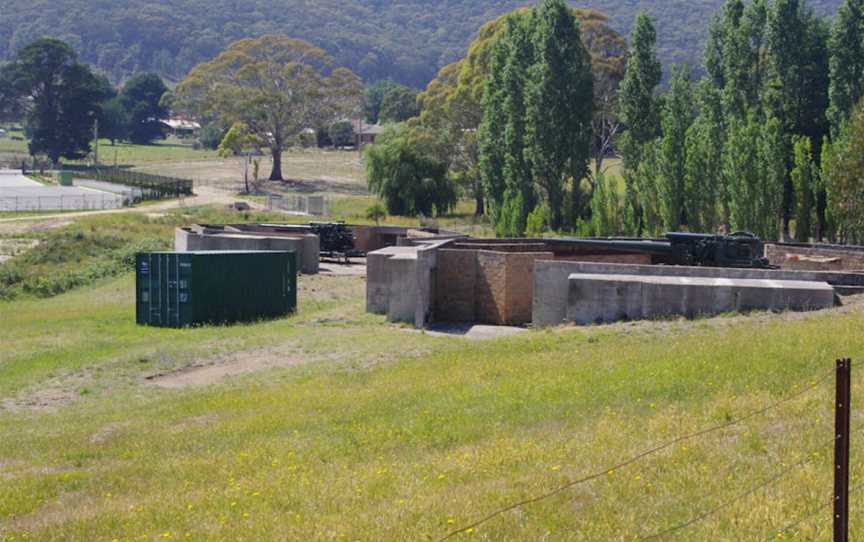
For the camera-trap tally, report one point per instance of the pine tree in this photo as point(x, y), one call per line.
point(677, 116)
point(847, 61)
point(559, 106)
point(639, 111)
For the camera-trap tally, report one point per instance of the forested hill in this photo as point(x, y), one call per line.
point(406, 40)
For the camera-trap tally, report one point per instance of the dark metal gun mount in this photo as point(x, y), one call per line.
point(741, 249)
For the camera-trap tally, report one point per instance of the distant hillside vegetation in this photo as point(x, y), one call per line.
point(405, 40)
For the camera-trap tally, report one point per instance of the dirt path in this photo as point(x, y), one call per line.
point(204, 195)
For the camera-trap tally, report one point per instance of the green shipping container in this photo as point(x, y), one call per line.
point(180, 289)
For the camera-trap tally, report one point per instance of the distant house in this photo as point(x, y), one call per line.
point(182, 127)
point(366, 134)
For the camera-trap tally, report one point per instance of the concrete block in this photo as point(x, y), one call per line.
point(306, 246)
point(594, 299)
point(551, 281)
point(400, 282)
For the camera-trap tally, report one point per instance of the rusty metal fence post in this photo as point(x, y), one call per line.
point(841, 450)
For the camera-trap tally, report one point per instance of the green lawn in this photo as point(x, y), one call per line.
point(359, 430)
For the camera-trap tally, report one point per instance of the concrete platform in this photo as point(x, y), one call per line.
point(600, 298)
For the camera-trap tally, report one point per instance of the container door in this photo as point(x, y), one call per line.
point(142, 289)
point(172, 290)
point(157, 297)
point(184, 290)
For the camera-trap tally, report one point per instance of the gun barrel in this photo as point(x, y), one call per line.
point(648, 247)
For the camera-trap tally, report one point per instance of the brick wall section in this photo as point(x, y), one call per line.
point(491, 289)
point(520, 286)
point(487, 287)
point(455, 284)
point(815, 258)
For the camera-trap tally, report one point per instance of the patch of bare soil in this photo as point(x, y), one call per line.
point(68, 505)
point(325, 184)
point(46, 399)
point(216, 370)
point(473, 332)
point(106, 432)
point(25, 225)
point(356, 267)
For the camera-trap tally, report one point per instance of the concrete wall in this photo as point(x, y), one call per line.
point(815, 258)
point(551, 281)
point(596, 299)
point(400, 283)
point(305, 246)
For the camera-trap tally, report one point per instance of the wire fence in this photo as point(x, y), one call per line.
point(304, 205)
point(232, 185)
point(767, 482)
point(154, 186)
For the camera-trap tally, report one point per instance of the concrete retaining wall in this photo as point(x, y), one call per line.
point(596, 299)
point(306, 246)
point(551, 281)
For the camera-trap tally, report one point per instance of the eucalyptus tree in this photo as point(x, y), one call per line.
point(276, 86)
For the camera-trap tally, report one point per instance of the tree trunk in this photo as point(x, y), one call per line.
point(276, 172)
point(480, 208)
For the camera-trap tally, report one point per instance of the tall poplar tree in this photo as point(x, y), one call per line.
point(639, 111)
point(559, 100)
point(676, 118)
point(706, 190)
point(847, 61)
point(519, 192)
point(797, 81)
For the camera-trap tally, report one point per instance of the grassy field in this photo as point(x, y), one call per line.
point(347, 428)
point(169, 150)
point(334, 425)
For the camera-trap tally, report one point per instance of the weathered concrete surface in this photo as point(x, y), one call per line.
point(551, 281)
point(400, 282)
point(595, 299)
point(307, 247)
